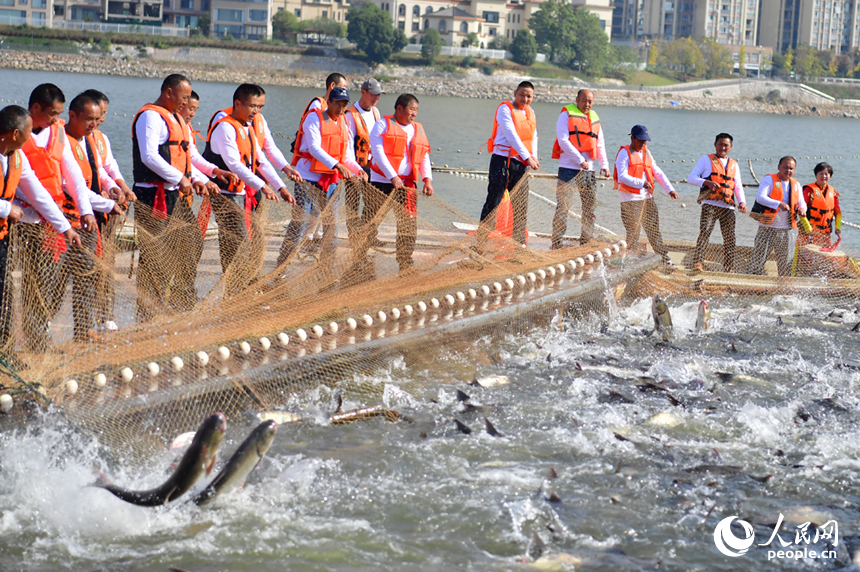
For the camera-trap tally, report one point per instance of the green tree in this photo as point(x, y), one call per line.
point(590, 42)
point(717, 58)
point(323, 27)
point(373, 31)
point(808, 63)
point(524, 48)
point(742, 60)
point(789, 60)
point(471, 39)
point(778, 65)
point(203, 23)
point(621, 61)
point(431, 45)
point(554, 29)
point(285, 25)
point(683, 57)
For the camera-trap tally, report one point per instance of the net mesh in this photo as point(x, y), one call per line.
point(222, 308)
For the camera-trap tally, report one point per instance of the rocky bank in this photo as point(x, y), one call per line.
point(470, 85)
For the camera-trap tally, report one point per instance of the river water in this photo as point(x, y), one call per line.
point(592, 466)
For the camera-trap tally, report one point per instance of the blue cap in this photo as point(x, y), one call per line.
point(339, 94)
point(640, 132)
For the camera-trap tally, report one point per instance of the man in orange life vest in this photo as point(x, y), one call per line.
point(164, 180)
point(15, 126)
point(721, 189)
point(319, 102)
point(361, 116)
point(635, 176)
point(79, 264)
point(188, 112)
point(103, 146)
point(777, 206)
point(401, 157)
point(324, 156)
point(579, 145)
point(513, 145)
point(50, 155)
point(234, 145)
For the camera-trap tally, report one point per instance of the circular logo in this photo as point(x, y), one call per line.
point(728, 543)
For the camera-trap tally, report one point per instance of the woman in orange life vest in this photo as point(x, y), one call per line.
point(635, 175)
point(579, 145)
point(513, 146)
point(15, 126)
point(822, 202)
point(721, 189)
point(324, 155)
point(776, 208)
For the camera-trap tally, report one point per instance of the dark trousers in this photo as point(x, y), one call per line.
point(6, 298)
point(505, 174)
point(352, 203)
point(37, 275)
point(767, 239)
point(166, 272)
point(312, 203)
point(569, 181)
point(78, 264)
point(710, 215)
point(377, 203)
point(105, 294)
point(643, 214)
point(240, 253)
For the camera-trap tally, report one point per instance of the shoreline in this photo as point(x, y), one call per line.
point(472, 86)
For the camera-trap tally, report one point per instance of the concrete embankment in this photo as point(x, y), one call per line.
point(228, 66)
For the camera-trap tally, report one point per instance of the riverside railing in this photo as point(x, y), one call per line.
point(97, 27)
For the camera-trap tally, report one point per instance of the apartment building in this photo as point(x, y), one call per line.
point(822, 24)
point(35, 12)
point(732, 22)
point(653, 19)
point(312, 9)
point(184, 13)
point(489, 19)
point(248, 20)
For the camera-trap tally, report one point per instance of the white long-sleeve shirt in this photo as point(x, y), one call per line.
point(571, 158)
point(98, 202)
point(703, 169)
point(312, 143)
point(781, 220)
point(110, 165)
point(198, 161)
point(39, 203)
point(223, 142)
point(377, 147)
point(622, 161)
point(73, 179)
point(507, 136)
point(273, 153)
point(370, 117)
point(151, 131)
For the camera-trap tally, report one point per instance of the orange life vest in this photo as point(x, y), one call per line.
point(257, 124)
point(334, 137)
point(637, 167)
point(11, 178)
point(821, 208)
point(724, 177)
point(99, 144)
point(88, 161)
point(296, 145)
point(394, 143)
point(174, 150)
point(768, 215)
point(361, 143)
point(525, 125)
point(583, 132)
point(46, 161)
point(248, 152)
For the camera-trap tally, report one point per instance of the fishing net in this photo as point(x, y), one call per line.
point(223, 308)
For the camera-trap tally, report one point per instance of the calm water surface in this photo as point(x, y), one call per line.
point(635, 491)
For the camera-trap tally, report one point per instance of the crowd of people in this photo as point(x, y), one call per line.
point(63, 189)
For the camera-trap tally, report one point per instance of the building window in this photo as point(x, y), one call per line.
point(186, 4)
point(232, 29)
point(255, 32)
point(257, 15)
point(167, 4)
point(298, 12)
point(325, 14)
point(493, 30)
point(223, 15)
point(416, 11)
point(401, 10)
point(442, 25)
point(491, 17)
point(414, 26)
point(37, 18)
point(401, 25)
point(464, 28)
point(40, 4)
point(429, 10)
point(183, 21)
point(426, 25)
point(204, 5)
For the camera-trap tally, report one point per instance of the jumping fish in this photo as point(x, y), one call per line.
point(703, 319)
point(198, 459)
point(244, 460)
point(662, 318)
